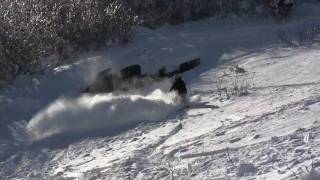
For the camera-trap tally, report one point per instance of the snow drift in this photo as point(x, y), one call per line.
point(93, 112)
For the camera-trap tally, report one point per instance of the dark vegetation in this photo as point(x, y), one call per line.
point(154, 13)
point(31, 31)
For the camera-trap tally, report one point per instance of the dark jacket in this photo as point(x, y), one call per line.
point(179, 86)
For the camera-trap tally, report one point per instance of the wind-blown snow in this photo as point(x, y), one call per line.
point(93, 112)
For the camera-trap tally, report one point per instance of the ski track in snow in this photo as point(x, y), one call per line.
point(272, 133)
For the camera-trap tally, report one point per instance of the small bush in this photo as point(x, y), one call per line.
point(236, 82)
point(303, 35)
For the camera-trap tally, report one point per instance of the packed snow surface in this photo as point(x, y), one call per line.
point(271, 132)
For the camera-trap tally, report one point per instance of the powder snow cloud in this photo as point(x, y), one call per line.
point(92, 112)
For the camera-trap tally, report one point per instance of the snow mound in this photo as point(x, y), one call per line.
point(93, 112)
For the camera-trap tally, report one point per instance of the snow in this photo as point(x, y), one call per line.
point(270, 133)
point(92, 112)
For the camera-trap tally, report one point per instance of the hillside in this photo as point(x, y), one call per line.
point(271, 132)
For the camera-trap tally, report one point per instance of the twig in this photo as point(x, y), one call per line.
point(229, 158)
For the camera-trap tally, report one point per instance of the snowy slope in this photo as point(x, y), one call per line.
point(271, 133)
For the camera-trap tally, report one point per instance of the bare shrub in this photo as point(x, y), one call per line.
point(32, 30)
point(154, 13)
point(284, 38)
point(308, 33)
point(222, 85)
point(303, 35)
point(241, 85)
point(236, 82)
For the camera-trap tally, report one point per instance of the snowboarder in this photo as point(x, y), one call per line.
point(133, 71)
point(180, 87)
